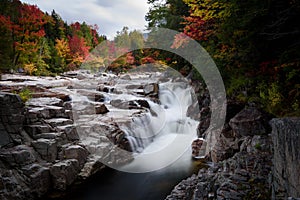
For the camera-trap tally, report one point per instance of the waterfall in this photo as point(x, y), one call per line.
point(162, 135)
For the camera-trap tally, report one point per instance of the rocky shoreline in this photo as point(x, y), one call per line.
point(255, 157)
point(41, 152)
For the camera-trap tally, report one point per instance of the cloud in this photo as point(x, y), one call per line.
point(110, 15)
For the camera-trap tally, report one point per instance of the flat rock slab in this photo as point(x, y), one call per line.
point(54, 122)
point(44, 101)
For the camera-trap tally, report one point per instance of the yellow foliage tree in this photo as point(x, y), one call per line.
point(30, 68)
point(62, 48)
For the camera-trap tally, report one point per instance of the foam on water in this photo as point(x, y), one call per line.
point(163, 135)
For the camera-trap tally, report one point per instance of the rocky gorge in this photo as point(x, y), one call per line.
point(71, 125)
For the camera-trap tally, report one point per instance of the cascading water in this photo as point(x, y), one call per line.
point(162, 135)
point(161, 138)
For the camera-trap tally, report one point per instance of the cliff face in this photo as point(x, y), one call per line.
point(11, 119)
point(264, 164)
point(286, 158)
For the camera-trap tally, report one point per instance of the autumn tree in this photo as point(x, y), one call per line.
point(40, 42)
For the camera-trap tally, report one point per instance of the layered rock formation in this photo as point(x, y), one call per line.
point(250, 161)
point(65, 131)
point(286, 159)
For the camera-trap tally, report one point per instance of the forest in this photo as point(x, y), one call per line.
point(254, 43)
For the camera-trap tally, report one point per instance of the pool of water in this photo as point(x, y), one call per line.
point(111, 184)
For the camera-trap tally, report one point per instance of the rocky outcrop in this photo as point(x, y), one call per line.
point(39, 150)
point(243, 176)
point(286, 158)
point(67, 129)
point(250, 161)
point(249, 122)
point(11, 119)
point(241, 158)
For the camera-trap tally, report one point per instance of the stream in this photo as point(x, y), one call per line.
point(160, 140)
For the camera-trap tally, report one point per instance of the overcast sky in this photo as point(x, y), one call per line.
point(110, 15)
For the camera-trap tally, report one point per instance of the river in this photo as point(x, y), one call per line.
point(162, 141)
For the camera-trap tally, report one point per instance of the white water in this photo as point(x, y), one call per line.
point(163, 135)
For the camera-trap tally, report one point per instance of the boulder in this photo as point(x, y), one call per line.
point(249, 122)
point(39, 179)
point(74, 152)
point(118, 103)
point(47, 149)
point(126, 77)
point(70, 131)
point(286, 158)
point(106, 89)
point(101, 109)
point(151, 90)
point(64, 173)
point(198, 148)
point(134, 104)
point(92, 166)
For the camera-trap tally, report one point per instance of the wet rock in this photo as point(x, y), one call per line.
point(286, 174)
point(151, 90)
point(67, 105)
point(101, 109)
point(134, 104)
point(46, 148)
point(143, 103)
point(249, 122)
point(106, 89)
point(64, 173)
point(119, 104)
point(198, 148)
point(134, 87)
